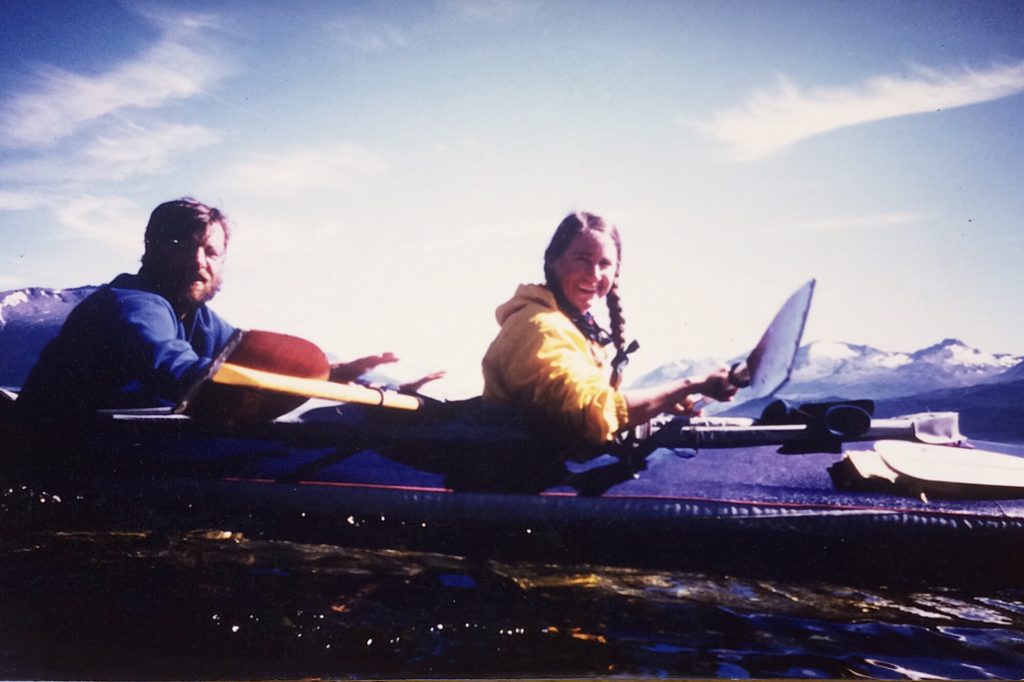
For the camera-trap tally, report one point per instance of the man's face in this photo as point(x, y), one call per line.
point(189, 269)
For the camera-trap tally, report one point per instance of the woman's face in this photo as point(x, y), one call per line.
point(586, 270)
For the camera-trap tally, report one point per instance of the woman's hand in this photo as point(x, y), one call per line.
point(346, 372)
point(717, 386)
point(679, 397)
point(690, 406)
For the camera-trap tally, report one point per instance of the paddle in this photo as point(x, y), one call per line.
point(769, 365)
point(262, 375)
point(240, 375)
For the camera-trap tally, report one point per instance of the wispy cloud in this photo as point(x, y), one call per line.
point(139, 149)
point(62, 102)
point(21, 201)
point(877, 220)
point(118, 149)
point(291, 172)
point(492, 10)
point(368, 36)
point(772, 120)
point(112, 220)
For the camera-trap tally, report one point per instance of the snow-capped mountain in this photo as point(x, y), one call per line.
point(1015, 373)
point(29, 318)
point(674, 370)
point(40, 306)
point(825, 369)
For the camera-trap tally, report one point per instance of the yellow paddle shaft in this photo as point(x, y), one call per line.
point(238, 375)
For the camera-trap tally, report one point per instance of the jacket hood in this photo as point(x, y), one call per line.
point(536, 296)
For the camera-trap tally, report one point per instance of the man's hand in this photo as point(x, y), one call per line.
point(347, 372)
point(414, 386)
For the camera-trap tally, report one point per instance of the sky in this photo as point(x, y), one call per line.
point(393, 170)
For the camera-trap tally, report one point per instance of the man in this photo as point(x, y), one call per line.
point(142, 340)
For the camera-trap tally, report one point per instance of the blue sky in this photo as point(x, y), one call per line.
point(394, 169)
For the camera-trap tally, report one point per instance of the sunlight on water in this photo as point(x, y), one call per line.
point(218, 603)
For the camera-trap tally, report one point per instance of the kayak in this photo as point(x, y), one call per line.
point(716, 496)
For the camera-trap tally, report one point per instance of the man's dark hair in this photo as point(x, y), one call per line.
point(181, 219)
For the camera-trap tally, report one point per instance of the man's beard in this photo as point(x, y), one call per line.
point(197, 292)
point(186, 293)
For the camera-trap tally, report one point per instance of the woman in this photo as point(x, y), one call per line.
point(551, 355)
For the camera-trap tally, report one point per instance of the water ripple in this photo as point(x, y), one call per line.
point(214, 603)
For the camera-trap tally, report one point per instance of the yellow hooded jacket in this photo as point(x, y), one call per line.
point(541, 360)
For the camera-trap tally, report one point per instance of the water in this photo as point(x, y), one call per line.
point(216, 604)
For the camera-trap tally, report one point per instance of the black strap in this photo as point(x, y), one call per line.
point(620, 361)
point(589, 327)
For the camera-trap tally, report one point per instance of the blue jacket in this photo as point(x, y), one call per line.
point(122, 347)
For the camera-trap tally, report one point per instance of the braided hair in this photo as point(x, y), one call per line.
point(572, 226)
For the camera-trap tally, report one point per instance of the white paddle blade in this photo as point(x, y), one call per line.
point(771, 362)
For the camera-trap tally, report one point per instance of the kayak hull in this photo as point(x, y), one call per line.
point(356, 482)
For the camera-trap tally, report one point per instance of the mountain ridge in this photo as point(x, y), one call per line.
point(822, 367)
point(29, 318)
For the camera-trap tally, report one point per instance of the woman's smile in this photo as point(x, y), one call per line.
point(587, 269)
